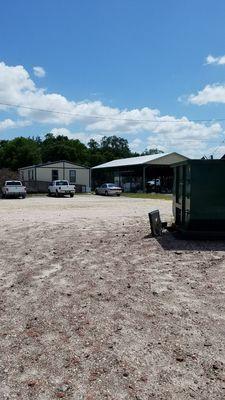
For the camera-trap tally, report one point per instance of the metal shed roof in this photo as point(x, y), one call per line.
point(160, 159)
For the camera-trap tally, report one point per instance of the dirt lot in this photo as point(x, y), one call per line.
point(92, 307)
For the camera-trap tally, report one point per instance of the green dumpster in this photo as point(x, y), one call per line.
point(199, 198)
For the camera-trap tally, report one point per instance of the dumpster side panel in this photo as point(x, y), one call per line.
point(207, 195)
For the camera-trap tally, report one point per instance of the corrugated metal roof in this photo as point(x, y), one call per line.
point(141, 160)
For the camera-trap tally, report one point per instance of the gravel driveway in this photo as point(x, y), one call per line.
point(92, 307)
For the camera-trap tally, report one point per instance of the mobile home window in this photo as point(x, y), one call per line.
point(72, 176)
point(55, 174)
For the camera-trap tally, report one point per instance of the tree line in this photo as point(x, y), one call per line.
point(21, 151)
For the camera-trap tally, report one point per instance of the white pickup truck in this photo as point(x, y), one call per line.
point(13, 189)
point(60, 188)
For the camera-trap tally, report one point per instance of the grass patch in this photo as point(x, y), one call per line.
point(158, 196)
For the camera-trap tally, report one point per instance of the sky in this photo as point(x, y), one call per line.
point(152, 72)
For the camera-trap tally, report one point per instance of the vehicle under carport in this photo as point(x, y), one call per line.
point(132, 174)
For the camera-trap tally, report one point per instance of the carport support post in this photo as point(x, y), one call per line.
point(144, 179)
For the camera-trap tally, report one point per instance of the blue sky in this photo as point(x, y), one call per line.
point(140, 67)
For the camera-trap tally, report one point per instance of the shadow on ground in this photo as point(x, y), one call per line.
point(173, 242)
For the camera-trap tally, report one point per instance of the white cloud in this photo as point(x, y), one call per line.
point(210, 94)
point(166, 132)
point(136, 144)
point(193, 148)
point(16, 87)
point(9, 124)
point(6, 124)
point(83, 137)
point(95, 118)
point(61, 132)
point(39, 72)
point(192, 142)
point(215, 60)
point(217, 152)
point(191, 138)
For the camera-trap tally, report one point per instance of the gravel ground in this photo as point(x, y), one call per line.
point(92, 307)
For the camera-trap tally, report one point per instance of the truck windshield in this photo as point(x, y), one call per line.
point(14, 183)
point(61, 183)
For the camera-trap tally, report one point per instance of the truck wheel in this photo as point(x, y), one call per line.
point(118, 194)
point(3, 196)
point(106, 193)
point(23, 196)
point(71, 194)
point(56, 193)
point(49, 193)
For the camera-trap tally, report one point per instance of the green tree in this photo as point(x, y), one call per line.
point(109, 148)
point(114, 147)
point(19, 152)
point(93, 145)
point(2, 145)
point(62, 148)
point(95, 155)
point(149, 152)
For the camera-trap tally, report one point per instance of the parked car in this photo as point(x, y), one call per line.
point(109, 189)
point(60, 188)
point(13, 189)
point(153, 185)
point(154, 182)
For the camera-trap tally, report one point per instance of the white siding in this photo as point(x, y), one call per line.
point(27, 174)
point(82, 176)
point(44, 172)
point(70, 165)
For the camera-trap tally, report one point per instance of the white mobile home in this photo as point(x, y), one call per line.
point(37, 177)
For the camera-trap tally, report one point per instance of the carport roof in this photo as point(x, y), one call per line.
point(159, 159)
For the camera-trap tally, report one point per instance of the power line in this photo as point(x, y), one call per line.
point(105, 117)
point(190, 140)
point(217, 148)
